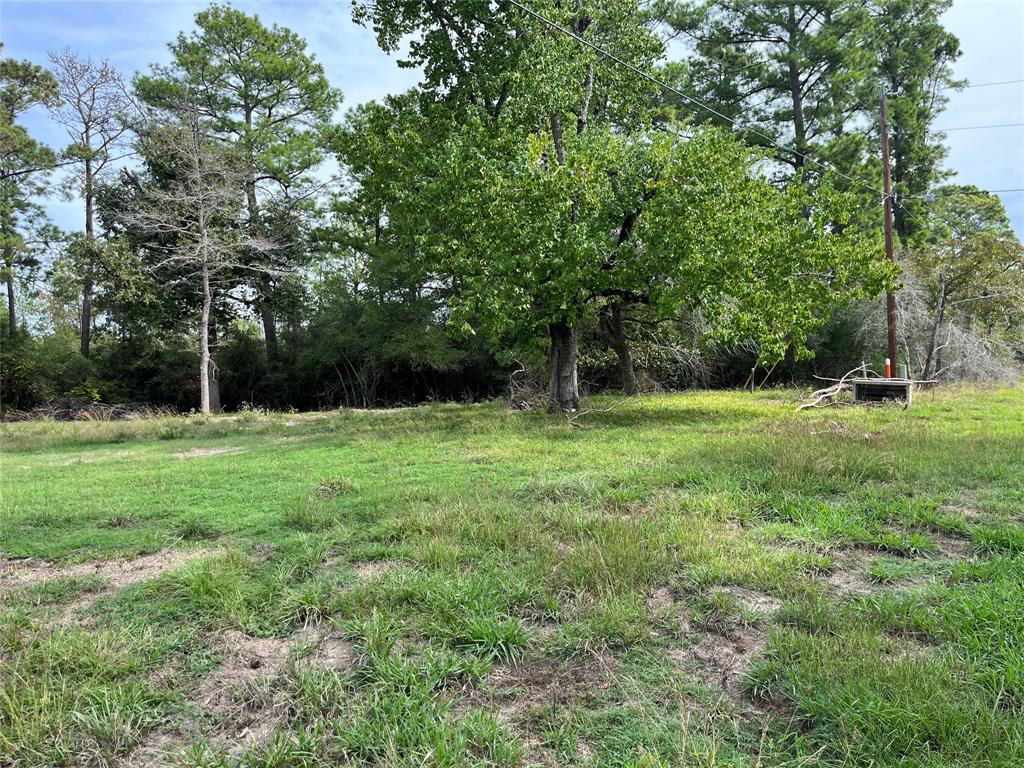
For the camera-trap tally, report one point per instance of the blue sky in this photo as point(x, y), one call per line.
point(135, 33)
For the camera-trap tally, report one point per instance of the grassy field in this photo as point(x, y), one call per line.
point(705, 579)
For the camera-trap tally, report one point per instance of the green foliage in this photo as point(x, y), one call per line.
point(743, 61)
point(25, 163)
point(43, 369)
point(554, 206)
point(806, 75)
point(275, 100)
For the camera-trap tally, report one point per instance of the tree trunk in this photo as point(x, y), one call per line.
point(215, 406)
point(563, 385)
point(204, 343)
point(7, 228)
point(12, 318)
point(252, 204)
point(796, 96)
point(269, 327)
point(939, 314)
point(615, 334)
point(85, 327)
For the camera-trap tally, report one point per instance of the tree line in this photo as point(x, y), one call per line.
point(535, 206)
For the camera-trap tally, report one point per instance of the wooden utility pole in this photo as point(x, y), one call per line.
point(890, 297)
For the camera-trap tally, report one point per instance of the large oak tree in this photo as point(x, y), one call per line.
point(529, 172)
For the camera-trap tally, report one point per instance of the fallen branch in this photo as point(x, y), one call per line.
point(827, 396)
point(573, 417)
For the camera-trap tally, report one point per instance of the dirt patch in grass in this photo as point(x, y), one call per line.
point(242, 689)
point(365, 569)
point(967, 512)
point(79, 460)
point(721, 657)
point(951, 547)
point(331, 653)
point(848, 575)
point(517, 691)
point(751, 600)
point(371, 568)
point(195, 453)
point(156, 750)
point(520, 695)
point(660, 600)
point(118, 573)
point(240, 693)
point(263, 552)
point(241, 681)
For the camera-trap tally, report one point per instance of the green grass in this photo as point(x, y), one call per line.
point(515, 590)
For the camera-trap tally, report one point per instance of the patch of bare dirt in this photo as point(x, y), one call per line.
point(240, 693)
point(331, 653)
point(660, 600)
point(906, 649)
point(952, 547)
point(516, 691)
point(193, 453)
point(80, 460)
point(156, 750)
point(370, 568)
point(365, 569)
point(848, 574)
point(721, 657)
point(118, 573)
point(262, 552)
point(848, 582)
point(243, 676)
point(585, 752)
point(751, 600)
point(967, 512)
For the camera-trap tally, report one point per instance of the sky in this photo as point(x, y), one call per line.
point(134, 34)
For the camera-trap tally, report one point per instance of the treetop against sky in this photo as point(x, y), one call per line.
point(135, 35)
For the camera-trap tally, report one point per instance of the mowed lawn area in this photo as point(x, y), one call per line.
point(703, 579)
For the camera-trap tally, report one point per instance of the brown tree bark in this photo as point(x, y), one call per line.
point(796, 95)
point(269, 331)
point(215, 404)
point(940, 314)
point(615, 333)
point(12, 314)
point(563, 386)
point(12, 318)
point(85, 326)
point(266, 311)
point(204, 342)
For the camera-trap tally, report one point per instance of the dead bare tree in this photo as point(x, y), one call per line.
point(95, 111)
point(195, 217)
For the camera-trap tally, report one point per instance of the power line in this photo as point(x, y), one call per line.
point(980, 85)
point(666, 86)
point(980, 127)
point(953, 192)
point(778, 145)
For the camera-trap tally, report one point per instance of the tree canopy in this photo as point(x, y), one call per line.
point(540, 212)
